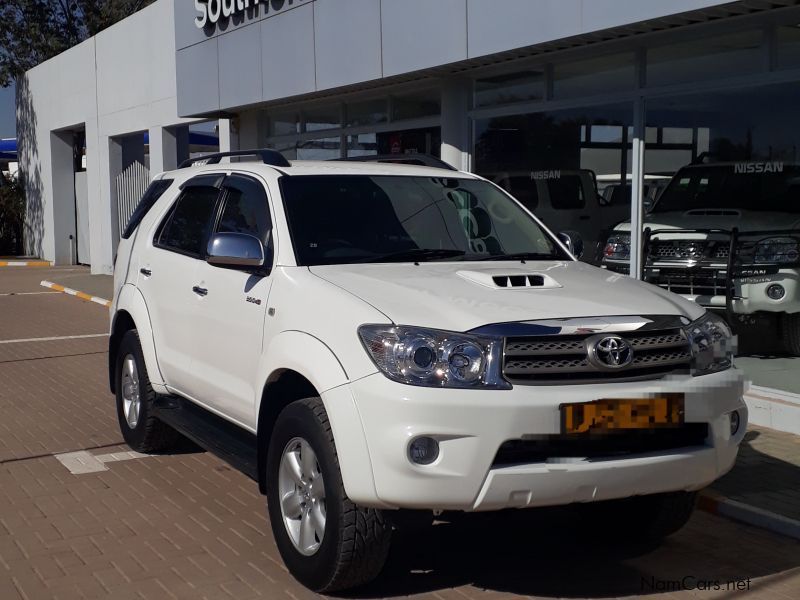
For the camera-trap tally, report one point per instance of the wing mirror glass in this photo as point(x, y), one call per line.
point(573, 241)
point(235, 250)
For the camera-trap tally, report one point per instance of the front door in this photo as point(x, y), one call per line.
point(231, 322)
point(167, 279)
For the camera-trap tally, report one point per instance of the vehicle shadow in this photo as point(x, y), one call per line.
point(554, 553)
point(762, 479)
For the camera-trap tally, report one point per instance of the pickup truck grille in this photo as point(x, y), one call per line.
point(688, 250)
point(706, 282)
point(564, 359)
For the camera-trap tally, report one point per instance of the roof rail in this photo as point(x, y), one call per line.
point(420, 159)
point(268, 157)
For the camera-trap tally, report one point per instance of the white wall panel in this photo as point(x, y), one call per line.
point(347, 41)
point(240, 67)
point(418, 34)
point(287, 54)
point(198, 78)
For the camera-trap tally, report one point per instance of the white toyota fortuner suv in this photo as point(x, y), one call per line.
point(363, 339)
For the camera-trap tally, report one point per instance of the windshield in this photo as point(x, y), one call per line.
point(343, 219)
point(744, 186)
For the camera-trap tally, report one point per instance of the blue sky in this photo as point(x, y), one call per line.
point(8, 126)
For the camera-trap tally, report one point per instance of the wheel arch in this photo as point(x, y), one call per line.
point(302, 366)
point(132, 313)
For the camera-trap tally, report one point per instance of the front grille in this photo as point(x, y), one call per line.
point(608, 445)
point(681, 249)
point(706, 282)
point(565, 359)
point(688, 250)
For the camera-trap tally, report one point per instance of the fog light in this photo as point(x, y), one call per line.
point(423, 450)
point(776, 291)
point(735, 422)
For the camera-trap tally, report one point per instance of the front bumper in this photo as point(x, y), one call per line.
point(707, 286)
point(471, 425)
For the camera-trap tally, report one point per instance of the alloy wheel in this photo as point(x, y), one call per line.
point(301, 489)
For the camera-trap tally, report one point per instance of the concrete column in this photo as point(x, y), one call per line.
point(163, 150)
point(63, 194)
point(181, 143)
point(456, 144)
point(229, 135)
point(252, 129)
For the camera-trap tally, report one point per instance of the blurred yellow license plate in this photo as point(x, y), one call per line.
point(624, 413)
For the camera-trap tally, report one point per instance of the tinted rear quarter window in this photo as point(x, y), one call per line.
point(186, 229)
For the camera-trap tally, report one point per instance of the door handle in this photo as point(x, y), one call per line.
point(200, 291)
point(145, 272)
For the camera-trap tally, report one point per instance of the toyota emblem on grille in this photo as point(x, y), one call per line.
point(609, 352)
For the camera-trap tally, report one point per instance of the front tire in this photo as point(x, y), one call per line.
point(327, 542)
point(135, 397)
point(790, 328)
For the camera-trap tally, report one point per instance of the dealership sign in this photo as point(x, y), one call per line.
point(212, 12)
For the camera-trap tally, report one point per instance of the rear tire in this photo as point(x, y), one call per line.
point(641, 518)
point(351, 546)
point(790, 329)
point(135, 397)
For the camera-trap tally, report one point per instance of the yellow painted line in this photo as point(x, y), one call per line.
point(76, 293)
point(24, 263)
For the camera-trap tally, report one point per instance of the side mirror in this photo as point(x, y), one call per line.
point(235, 250)
point(573, 241)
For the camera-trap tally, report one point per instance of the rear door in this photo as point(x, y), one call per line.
point(167, 276)
point(228, 342)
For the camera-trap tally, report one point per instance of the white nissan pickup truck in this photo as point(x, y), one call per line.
point(363, 339)
point(727, 236)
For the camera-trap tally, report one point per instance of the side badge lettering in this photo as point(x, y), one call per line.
point(255, 301)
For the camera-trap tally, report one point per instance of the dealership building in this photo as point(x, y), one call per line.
point(624, 92)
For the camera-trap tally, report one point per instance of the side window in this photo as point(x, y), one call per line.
point(524, 189)
point(566, 193)
point(187, 227)
point(246, 209)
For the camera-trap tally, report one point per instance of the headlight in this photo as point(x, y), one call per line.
point(777, 250)
point(713, 344)
point(618, 247)
point(433, 358)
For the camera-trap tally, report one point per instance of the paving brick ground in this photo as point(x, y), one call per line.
point(767, 473)
point(188, 526)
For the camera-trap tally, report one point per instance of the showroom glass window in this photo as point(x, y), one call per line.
point(559, 164)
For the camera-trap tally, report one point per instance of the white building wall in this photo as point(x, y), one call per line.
point(57, 95)
point(122, 81)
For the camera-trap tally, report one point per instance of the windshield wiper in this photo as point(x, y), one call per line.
point(519, 256)
point(412, 255)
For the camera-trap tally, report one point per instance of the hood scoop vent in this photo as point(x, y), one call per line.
point(510, 279)
point(516, 281)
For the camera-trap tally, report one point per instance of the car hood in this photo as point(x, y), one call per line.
point(744, 220)
point(463, 296)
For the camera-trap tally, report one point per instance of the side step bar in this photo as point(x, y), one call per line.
point(223, 439)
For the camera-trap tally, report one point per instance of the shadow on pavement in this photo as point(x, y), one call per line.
point(543, 552)
point(765, 480)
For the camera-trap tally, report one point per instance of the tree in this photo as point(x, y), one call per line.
point(32, 31)
point(12, 214)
